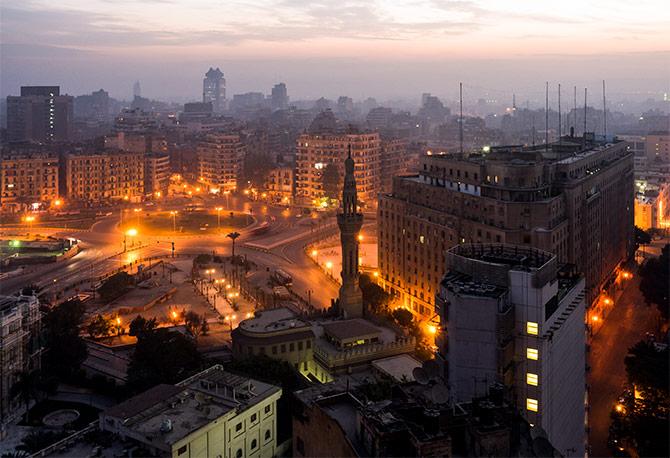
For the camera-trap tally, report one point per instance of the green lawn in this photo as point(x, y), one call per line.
point(187, 223)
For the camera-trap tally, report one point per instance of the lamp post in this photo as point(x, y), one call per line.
point(329, 266)
point(29, 219)
point(174, 220)
point(218, 216)
point(129, 233)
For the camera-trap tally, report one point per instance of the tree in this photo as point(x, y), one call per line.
point(374, 295)
point(403, 316)
point(642, 237)
point(193, 323)
point(233, 236)
point(99, 326)
point(27, 386)
point(162, 356)
point(330, 180)
point(648, 366)
point(141, 326)
point(65, 349)
point(115, 286)
point(655, 281)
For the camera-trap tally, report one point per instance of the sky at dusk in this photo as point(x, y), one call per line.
point(386, 49)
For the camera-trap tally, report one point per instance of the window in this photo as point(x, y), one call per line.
point(254, 444)
point(300, 446)
point(268, 434)
point(300, 345)
point(309, 344)
point(253, 417)
point(531, 379)
point(239, 453)
point(532, 353)
point(238, 427)
point(291, 347)
point(283, 348)
point(182, 450)
point(531, 328)
point(531, 404)
point(274, 349)
point(268, 408)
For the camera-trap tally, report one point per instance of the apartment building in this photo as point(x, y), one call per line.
point(26, 179)
point(102, 178)
point(156, 174)
point(220, 158)
point(573, 198)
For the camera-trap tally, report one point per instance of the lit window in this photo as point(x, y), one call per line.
point(531, 328)
point(531, 404)
point(531, 379)
point(532, 353)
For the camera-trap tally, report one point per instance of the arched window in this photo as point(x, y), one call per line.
point(267, 434)
point(239, 453)
point(254, 444)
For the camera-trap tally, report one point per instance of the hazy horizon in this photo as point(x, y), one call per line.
point(387, 50)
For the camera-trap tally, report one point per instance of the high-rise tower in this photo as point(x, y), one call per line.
point(214, 89)
point(350, 221)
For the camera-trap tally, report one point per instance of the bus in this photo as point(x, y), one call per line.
point(282, 278)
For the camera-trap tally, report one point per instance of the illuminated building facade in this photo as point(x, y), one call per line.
point(220, 159)
point(26, 179)
point(279, 184)
point(156, 174)
point(652, 206)
point(39, 114)
point(513, 317)
point(657, 147)
point(214, 89)
point(315, 152)
point(574, 199)
point(102, 178)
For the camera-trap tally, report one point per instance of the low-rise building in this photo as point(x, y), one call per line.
point(26, 179)
point(512, 317)
point(214, 414)
point(20, 350)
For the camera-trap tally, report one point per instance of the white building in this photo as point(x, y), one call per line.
point(212, 414)
point(512, 316)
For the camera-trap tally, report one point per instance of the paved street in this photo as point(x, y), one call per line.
point(626, 324)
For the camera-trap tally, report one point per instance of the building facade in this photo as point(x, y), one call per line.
point(220, 158)
point(102, 178)
point(39, 114)
point(279, 184)
point(315, 152)
point(20, 350)
point(26, 179)
point(156, 174)
point(395, 160)
point(514, 318)
point(657, 147)
point(652, 206)
point(574, 199)
point(214, 413)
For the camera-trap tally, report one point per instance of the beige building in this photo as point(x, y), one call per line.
point(106, 177)
point(574, 199)
point(156, 174)
point(20, 350)
point(220, 159)
point(395, 160)
point(657, 147)
point(212, 414)
point(315, 152)
point(26, 179)
point(652, 206)
point(279, 184)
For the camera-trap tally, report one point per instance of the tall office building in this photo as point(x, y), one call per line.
point(514, 317)
point(573, 198)
point(220, 158)
point(39, 114)
point(279, 97)
point(137, 90)
point(214, 89)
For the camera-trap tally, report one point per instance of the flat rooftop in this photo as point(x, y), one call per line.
point(351, 329)
point(273, 320)
point(398, 367)
point(502, 254)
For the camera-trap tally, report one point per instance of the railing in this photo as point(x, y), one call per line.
point(69, 440)
point(365, 352)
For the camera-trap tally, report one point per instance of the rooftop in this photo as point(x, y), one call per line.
point(398, 367)
point(273, 320)
point(349, 329)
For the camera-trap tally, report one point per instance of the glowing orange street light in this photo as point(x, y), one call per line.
point(619, 408)
point(360, 237)
point(118, 321)
point(174, 315)
point(595, 318)
point(375, 274)
point(58, 202)
point(607, 301)
point(248, 315)
point(314, 253)
point(432, 329)
point(132, 232)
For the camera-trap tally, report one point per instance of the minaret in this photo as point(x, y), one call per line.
point(350, 222)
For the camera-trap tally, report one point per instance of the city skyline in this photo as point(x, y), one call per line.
point(318, 49)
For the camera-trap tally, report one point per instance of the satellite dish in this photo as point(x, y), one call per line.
point(439, 394)
point(432, 369)
point(420, 376)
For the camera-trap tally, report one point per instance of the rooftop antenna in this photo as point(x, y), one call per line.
point(604, 113)
point(585, 98)
point(460, 122)
point(513, 101)
point(574, 121)
point(533, 122)
point(546, 118)
point(560, 130)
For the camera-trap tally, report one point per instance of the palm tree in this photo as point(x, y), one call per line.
point(26, 387)
point(233, 236)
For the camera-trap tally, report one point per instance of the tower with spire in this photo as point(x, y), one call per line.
point(350, 221)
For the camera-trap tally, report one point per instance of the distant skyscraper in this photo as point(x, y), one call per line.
point(39, 114)
point(137, 90)
point(214, 89)
point(279, 97)
point(350, 221)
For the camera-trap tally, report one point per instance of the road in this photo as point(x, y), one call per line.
point(626, 324)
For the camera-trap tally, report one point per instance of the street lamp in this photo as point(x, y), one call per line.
point(218, 216)
point(137, 215)
point(329, 266)
point(132, 232)
point(174, 220)
point(210, 272)
point(30, 219)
